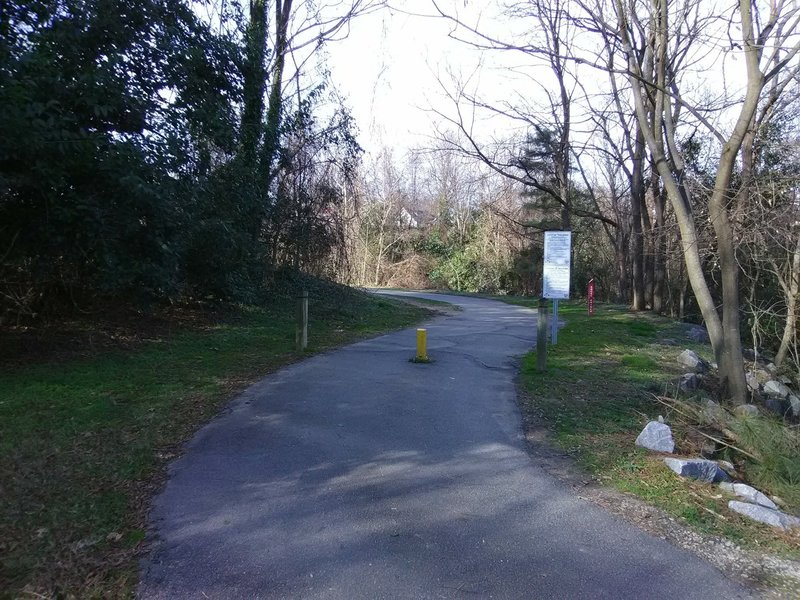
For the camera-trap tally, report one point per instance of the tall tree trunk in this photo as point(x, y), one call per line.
point(659, 244)
point(724, 332)
point(637, 236)
point(254, 84)
point(283, 10)
point(621, 255)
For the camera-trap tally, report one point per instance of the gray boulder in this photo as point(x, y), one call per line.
point(712, 411)
point(762, 374)
point(697, 468)
point(752, 381)
point(698, 334)
point(746, 410)
point(657, 437)
point(688, 383)
point(748, 494)
point(794, 401)
point(762, 514)
point(776, 388)
point(779, 406)
point(690, 360)
point(771, 368)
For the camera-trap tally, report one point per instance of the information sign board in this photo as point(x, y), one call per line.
point(556, 273)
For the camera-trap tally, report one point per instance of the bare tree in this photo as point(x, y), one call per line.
point(545, 162)
point(296, 29)
point(769, 48)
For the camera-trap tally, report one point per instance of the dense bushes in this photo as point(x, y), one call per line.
point(122, 173)
point(98, 170)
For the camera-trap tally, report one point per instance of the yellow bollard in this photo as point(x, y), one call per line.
point(422, 344)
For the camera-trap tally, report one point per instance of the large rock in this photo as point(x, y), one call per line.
point(777, 389)
point(746, 410)
point(657, 437)
point(748, 494)
point(794, 401)
point(762, 374)
point(697, 468)
point(713, 412)
point(762, 514)
point(688, 383)
point(752, 381)
point(698, 334)
point(690, 360)
point(779, 406)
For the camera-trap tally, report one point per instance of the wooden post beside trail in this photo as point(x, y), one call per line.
point(301, 329)
point(541, 337)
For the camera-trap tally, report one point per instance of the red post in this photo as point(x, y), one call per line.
point(590, 297)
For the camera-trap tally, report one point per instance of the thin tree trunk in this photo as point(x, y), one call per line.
point(637, 236)
point(790, 290)
point(660, 245)
point(283, 12)
point(254, 83)
point(623, 281)
point(724, 332)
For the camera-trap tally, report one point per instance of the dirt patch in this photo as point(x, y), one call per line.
point(765, 575)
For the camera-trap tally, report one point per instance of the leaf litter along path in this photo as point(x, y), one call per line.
point(358, 474)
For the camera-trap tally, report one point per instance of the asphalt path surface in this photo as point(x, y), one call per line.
point(358, 474)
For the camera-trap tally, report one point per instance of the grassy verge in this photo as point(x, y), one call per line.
point(598, 392)
point(83, 441)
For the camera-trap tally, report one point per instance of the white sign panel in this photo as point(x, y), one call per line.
point(557, 253)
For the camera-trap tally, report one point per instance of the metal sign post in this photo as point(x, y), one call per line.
point(554, 324)
point(556, 272)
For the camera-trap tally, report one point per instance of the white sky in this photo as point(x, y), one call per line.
point(387, 69)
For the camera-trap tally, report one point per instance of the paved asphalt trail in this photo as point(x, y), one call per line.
point(357, 474)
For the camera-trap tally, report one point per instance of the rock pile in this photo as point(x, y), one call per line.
point(770, 393)
point(657, 436)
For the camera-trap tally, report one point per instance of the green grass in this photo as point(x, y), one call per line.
point(598, 392)
point(84, 442)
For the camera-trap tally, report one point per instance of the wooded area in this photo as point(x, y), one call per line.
point(168, 150)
